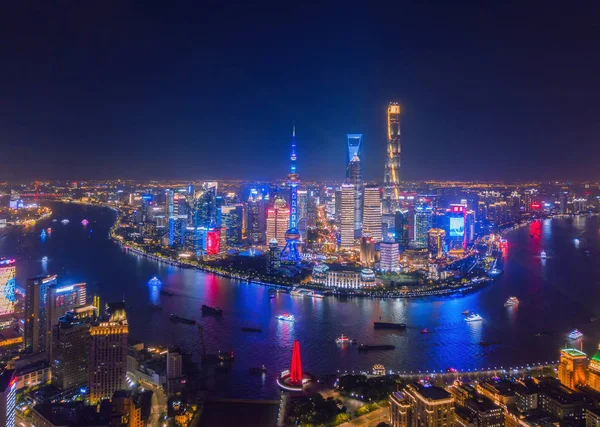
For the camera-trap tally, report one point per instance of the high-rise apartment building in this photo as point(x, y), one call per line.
point(108, 355)
point(391, 177)
point(278, 218)
point(71, 342)
point(372, 213)
point(174, 370)
point(572, 367)
point(420, 406)
point(389, 256)
point(36, 323)
point(347, 216)
point(7, 286)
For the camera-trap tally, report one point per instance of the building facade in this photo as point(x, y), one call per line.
point(372, 213)
point(347, 217)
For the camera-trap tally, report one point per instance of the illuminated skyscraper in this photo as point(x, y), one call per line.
point(256, 223)
point(7, 286)
point(372, 213)
point(423, 221)
point(401, 227)
point(36, 296)
point(354, 146)
point(347, 216)
point(436, 241)
point(388, 256)
point(231, 218)
point(292, 236)
point(61, 299)
point(391, 178)
point(8, 398)
point(277, 222)
point(108, 355)
point(354, 177)
point(572, 368)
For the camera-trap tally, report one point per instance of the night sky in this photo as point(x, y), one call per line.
point(205, 89)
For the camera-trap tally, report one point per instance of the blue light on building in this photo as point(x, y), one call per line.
point(292, 236)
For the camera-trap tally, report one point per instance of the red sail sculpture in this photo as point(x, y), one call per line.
point(296, 369)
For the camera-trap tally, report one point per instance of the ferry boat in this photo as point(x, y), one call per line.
point(343, 339)
point(575, 334)
point(155, 281)
point(286, 317)
point(211, 310)
point(318, 295)
point(366, 347)
point(44, 258)
point(511, 301)
point(543, 255)
point(474, 318)
point(424, 331)
point(389, 325)
point(84, 222)
point(466, 312)
point(43, 234)
point(296, 292)
point(225, 355)
point(258, 371)
point(65, 221)
point(179, 319)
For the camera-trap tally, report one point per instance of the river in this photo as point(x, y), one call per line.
point(557, 295)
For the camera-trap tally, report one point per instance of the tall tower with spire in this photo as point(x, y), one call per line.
point(292, 236)
point(391, 178)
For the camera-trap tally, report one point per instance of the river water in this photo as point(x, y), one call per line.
point(557, 295)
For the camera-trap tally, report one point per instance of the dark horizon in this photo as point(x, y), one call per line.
point(117, 89)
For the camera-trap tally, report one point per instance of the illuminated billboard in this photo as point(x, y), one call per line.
point(7, 286)
point(457, 226)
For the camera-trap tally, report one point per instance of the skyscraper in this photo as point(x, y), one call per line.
point(354, 141)
point(418, 406)
point(71, 348)
point(256, 221)
point(7, 286)
point(8, 398)
point(61, 299)
point(594, 372)
point(402, 228)
point(372, 213)
point(231, 218)
point(388, 256)
point(108, 355)
point(572, 368)
point(423, 222)
point(391, 178)
point(436, 240)
point(277, 222)
point(347, 216)
point(292, 236)
point(36, 295)
point(354, 177)
point(274, 258)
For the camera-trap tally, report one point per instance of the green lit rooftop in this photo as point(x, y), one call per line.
point(573, 352)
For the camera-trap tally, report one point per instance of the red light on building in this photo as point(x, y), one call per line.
point(213, 242)
point(535, 205)
point(458, 208)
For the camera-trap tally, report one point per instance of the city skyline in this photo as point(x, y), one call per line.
point(109, 97)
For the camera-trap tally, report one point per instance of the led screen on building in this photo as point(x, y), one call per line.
point(457, 226)
point(7, 286)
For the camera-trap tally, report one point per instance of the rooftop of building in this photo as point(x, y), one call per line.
point(502, 387)
point(573, 352)
point(70, 414)
point(482, 404)
point(432, 392)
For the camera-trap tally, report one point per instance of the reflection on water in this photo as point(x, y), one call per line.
point(556, 296)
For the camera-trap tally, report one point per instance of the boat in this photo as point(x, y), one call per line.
point(211, 310)
point(258, 371)
point(489, 343)
point(250, 329)
point(367, 347)
point(286, 317)
point(225, 355)
point(424, 331)
point(474, 318)
point(155, 306)
point(49, 230)
point(466, 312)
point(155, 281)
point(342, 339)
point(54, 220)
point(43, 234)
point(65, 221)
point(167, 293)
point(318, 295)
point(272, 296)
point(84, 222)
point(575, 334)
point(389, 325)
point(511, 301)
point(296, 292)
point(179, 319)
point(44, 258)
point(543, 255)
